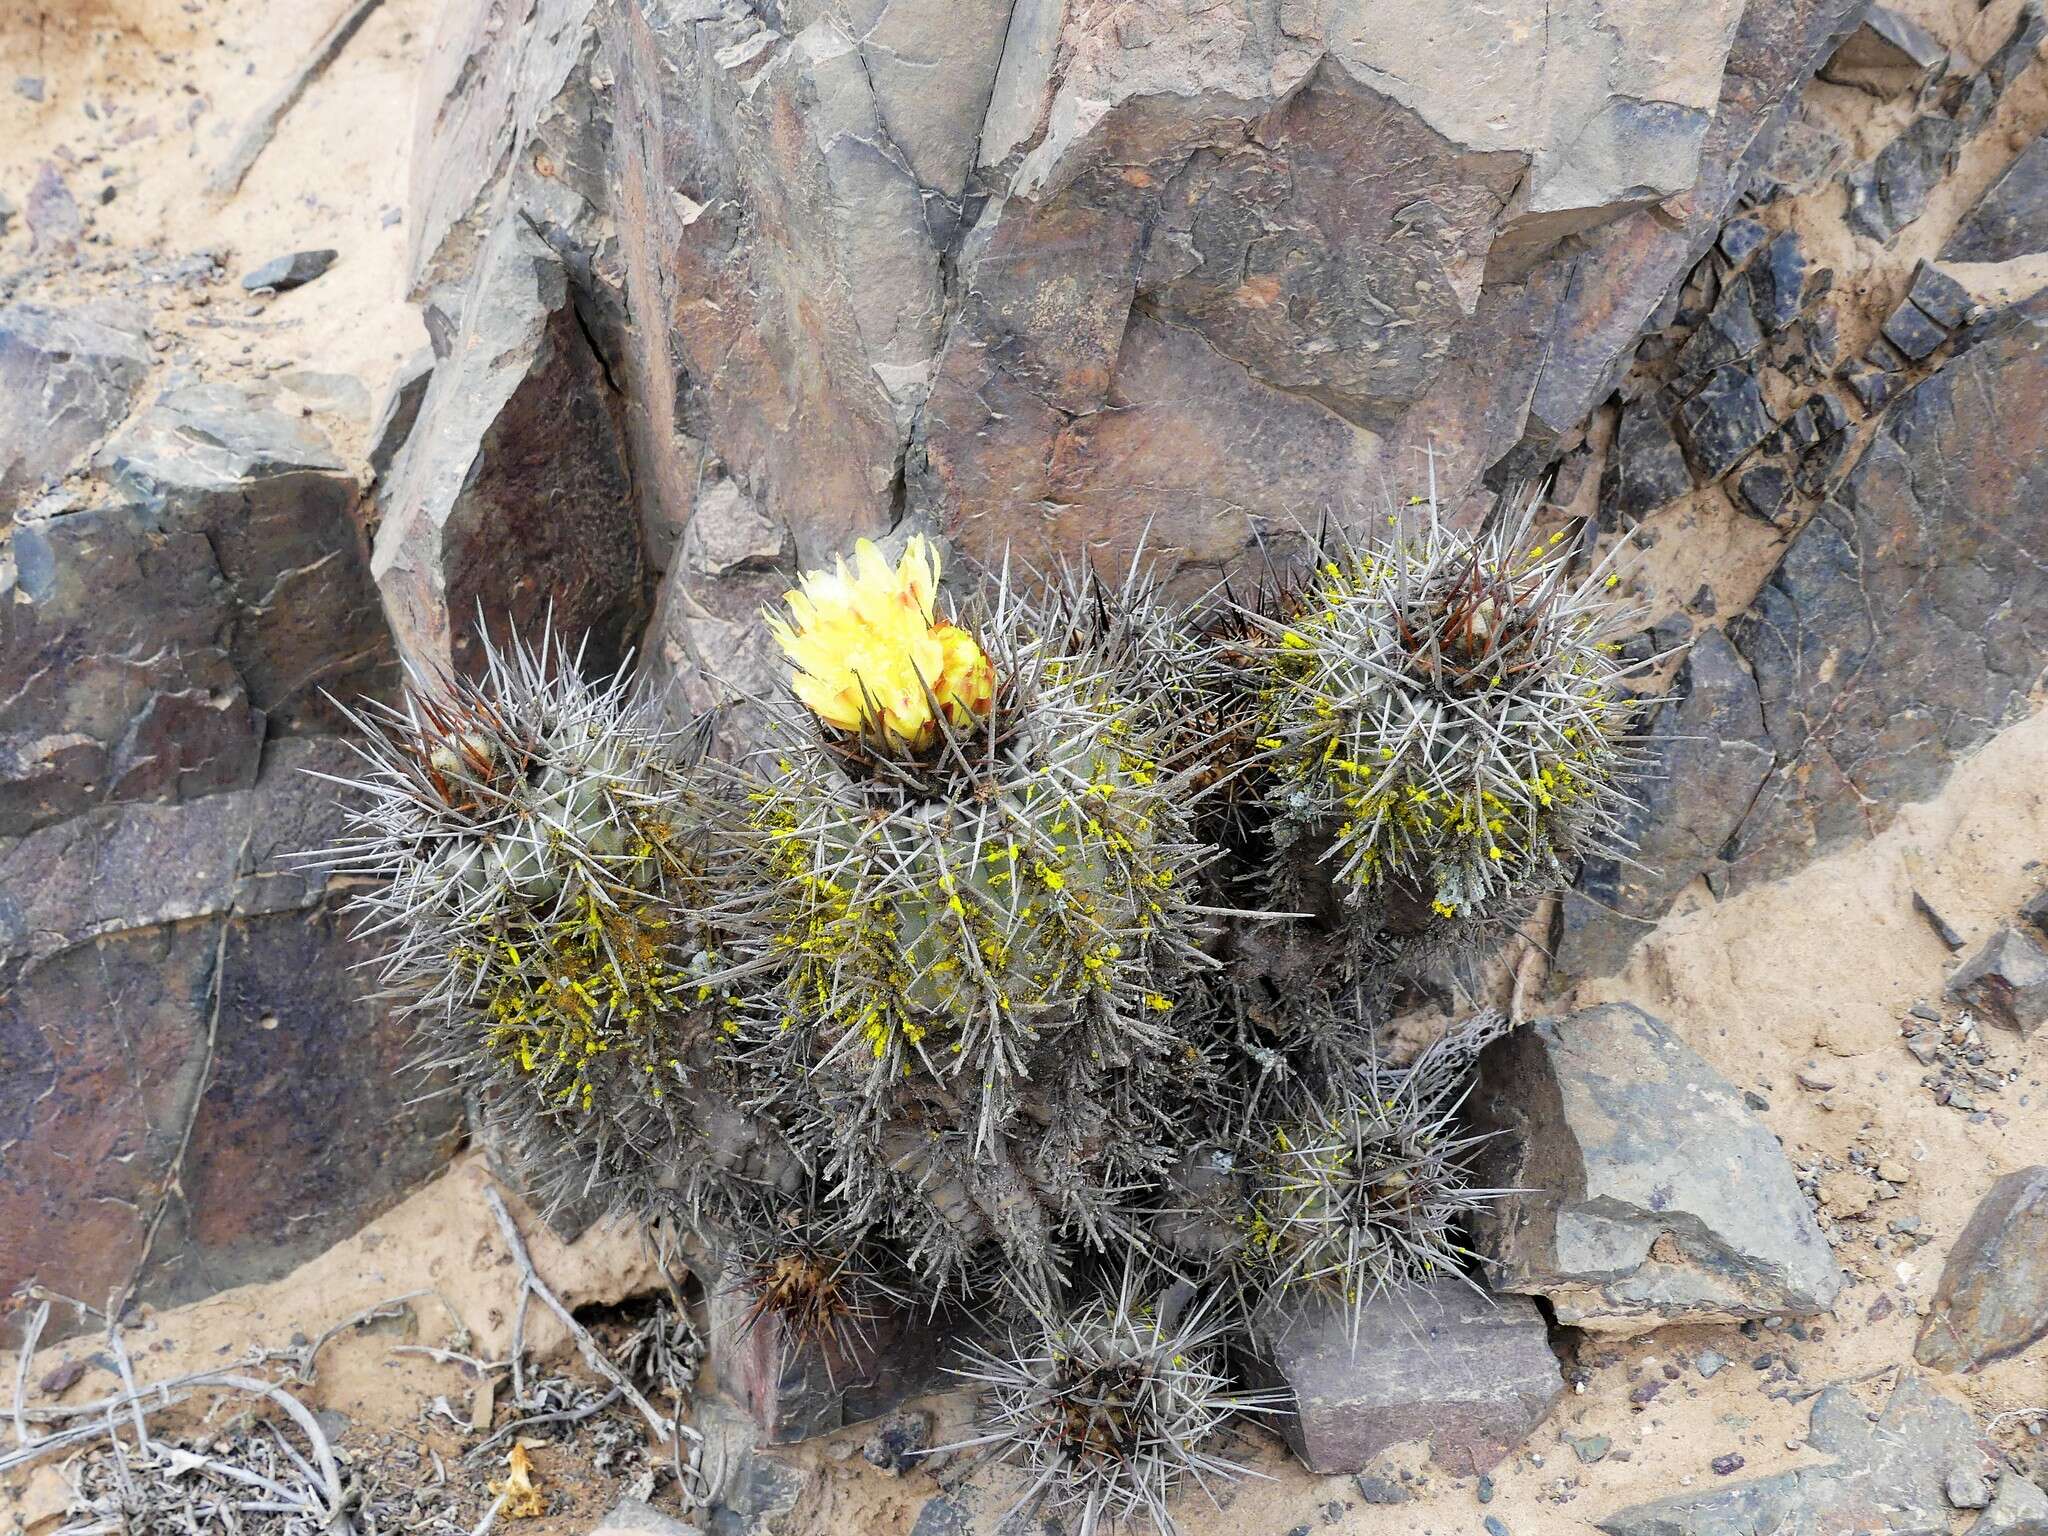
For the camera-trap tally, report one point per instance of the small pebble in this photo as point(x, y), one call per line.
point(1495, 1526)
point(1485, 1489)
point(1710, 1363)
point(1728, 1465)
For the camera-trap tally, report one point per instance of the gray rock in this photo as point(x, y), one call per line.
point(1763, 491)
point(1803, 158)
point(1910, 329)
point(2018, 1508)
point(1891, 191)
point(1904, 625)
point(898, 1441)
point(1992, 1301)
point(1888, 55)
point(173, 1005)
point(284, 273)
point(65, 382)
point(2034, 912)
point(1471, 1374)
point(794, 1391)
point(2005, 981)
point(1647, 467)
point(2011, 219)
point(1710, 753)
point(281, 513)
point(943, 1516)
point(754, 1492)
point(1888, 1475)
point(513, 496)
point(1967, 1489)
point(403, 398)
point(2021, 48)
point(1723, 421)
point(1938, 296)
point(1874, 386)
point(1730, 333)
point(1740, 238)
point(1628, 1147)
point(1778, 281)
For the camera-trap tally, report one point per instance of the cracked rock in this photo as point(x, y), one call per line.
point(2005, 981)
point(66, 380)
point(513, 496)
point(1891, 191)
point(1628, 1147)
point(1723, 421)
point(2011, 219)
point(173, 999)
point(1915, 579)
point(1888, 55)
point(279, 509)
point(1992, 1301)
point(1648, 469)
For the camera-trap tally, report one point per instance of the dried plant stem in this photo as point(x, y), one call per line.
point(664, 1427)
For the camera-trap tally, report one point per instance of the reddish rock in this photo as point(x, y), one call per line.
point(796, 1391)
point(513, 498)
point(197, 1088)
point(1992, 1301)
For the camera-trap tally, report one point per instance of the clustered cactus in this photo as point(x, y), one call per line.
point(954, 992)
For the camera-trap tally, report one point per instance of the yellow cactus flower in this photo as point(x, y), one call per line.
point(870, 655)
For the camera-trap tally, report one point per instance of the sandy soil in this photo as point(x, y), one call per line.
point(142, 98)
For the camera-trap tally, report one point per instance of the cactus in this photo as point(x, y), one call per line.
point(1446, 731)
point(1111, 1408)
point(952, 989)
point(1363, 1186)
point(982, 920)
point(538, 845)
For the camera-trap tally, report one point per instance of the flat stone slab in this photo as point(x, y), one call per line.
point(1471, 1374)
point(1993, 1298)
point(1651, 1194)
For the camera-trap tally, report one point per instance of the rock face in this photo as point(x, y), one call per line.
point(1709, 754)
point(65, 382)
point(197, 1087)
point(1048, 276)
point(278, 509)
point(1909, 619)
point(196, 1091)
point(512, 496)
point(1887, 1475)
point(1653, 1196)
point(1471, 1374)
point(2012, 218)
point(160, 636)
point(1993, 1298)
